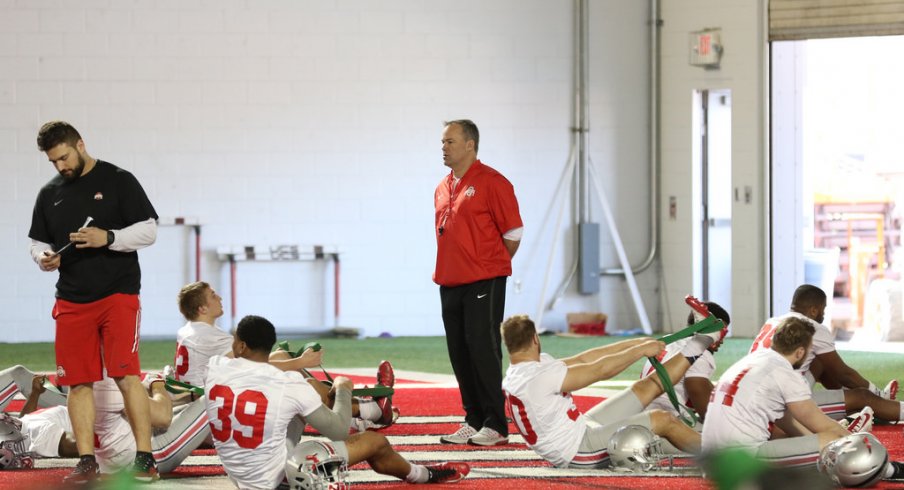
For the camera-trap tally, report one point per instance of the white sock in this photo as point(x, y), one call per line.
point(418, 474)
point(900, 411)
point(368, 410)
point(695, 346)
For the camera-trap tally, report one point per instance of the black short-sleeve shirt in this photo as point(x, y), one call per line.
point(114, 199)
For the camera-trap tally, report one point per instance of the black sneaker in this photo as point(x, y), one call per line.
point(85, 472)
point(898, 474)
point(145, 468)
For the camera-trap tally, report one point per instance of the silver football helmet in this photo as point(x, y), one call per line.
point(634, 448)
point(315, 465)
point(857, 460)
point(13, 447)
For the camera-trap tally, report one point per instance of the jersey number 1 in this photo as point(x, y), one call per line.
point(225, 413)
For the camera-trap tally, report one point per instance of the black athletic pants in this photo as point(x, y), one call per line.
point(472, 314)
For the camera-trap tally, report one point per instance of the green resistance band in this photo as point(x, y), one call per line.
point(377, 391)
point(709, 324)
point(177, 387)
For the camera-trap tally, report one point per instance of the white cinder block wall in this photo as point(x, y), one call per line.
point(743, 71)
point(279, 122)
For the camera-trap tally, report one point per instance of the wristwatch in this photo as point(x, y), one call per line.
point(110, 237)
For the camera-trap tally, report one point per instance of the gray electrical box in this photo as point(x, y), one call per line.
point(589, 259)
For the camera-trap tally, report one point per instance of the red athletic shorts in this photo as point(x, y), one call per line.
point(92, 335)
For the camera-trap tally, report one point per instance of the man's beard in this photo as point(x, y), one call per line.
point(75, 173)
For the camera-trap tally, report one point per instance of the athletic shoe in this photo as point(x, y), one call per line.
point(145, 468)
point(361, 425)
point(897, 472)
point(386, 411)
point(84, 473)
point(488, 437)
point(385, 374)
point(447, 472)
point(701, 311)
point(862, 421)
point(460, 436)
point(891, 390)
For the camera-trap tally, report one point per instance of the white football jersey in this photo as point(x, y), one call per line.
point(114, 444)
point(250, 405)
point(823, 340)
point(753, 393)
point(196, 343)
point(547, 418)
point(703, 367)
point(43, 429)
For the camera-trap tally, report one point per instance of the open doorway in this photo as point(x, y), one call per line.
point(837, 177)
point(713, 195)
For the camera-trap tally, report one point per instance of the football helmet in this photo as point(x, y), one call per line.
point(857, 460)
point(13, 447)
point(315, 465)
point(634, 448)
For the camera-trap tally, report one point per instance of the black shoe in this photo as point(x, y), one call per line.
point(145, 468)
point(85, 472)
point(898, 474)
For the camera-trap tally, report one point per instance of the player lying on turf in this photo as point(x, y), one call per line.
point(200, 339)
point(764, 388)
point(823, 364)
point(47, 432)
point(251, 405)
point(538, 388)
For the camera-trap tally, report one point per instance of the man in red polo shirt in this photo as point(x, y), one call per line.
point(478, 230)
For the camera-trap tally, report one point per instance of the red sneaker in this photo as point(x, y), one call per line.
point(385, 374)
point(386, 411)
point(447, 472)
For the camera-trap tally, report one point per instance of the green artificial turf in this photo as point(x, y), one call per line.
point(428, 354)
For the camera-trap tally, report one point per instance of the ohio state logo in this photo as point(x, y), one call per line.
point(61, 373)
point(470, 191)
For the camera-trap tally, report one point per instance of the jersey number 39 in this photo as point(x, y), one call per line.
point(237, 407)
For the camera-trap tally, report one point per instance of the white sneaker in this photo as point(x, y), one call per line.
point(862, 421)
point(460, 436)
point(891, 390)
point(488, 437)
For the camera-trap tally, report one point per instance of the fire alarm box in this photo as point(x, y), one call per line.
point(706, 48)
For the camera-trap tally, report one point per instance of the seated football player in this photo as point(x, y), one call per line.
point(765, 387)
point(538, 388)
point(251, 405)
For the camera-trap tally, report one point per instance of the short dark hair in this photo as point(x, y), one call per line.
point(517, 332)
point(191, 297)
point(715, 309)
point(807, 296)
point(791, 333)
point(468, 128)
point(53, 133)
point(257, 332)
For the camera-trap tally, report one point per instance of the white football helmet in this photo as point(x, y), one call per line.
point(857, 460)
point(634, 448)
point(13, 447)
point(315, 465)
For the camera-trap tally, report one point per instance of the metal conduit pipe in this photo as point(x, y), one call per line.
point(655, 23)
